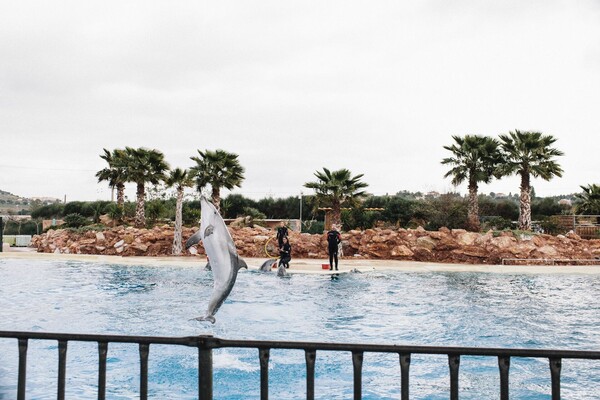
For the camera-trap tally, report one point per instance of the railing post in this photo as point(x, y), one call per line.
point(62, 368)
point(205, 370)
point(357, 362)
point(404, 367)
point(453, 363)
point(144, 351)
point(310, 356)
point(22, 369)
point(555, 366)
point(504, 365)
point(263, 355)
point(102, 352)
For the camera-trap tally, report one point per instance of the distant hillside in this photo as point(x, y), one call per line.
point(13, 204)
point(6, 196)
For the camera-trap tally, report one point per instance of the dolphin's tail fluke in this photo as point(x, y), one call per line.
point(209, 318)
point(242, 263)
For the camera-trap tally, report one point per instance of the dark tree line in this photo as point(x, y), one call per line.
point(403, 210)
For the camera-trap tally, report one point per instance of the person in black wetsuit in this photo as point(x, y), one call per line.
point(282, 232)
point(333, 240)
point(285, 253)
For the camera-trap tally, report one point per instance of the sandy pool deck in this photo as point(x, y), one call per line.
point(313, 266)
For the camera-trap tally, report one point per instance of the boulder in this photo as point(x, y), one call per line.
point(100, 238)
point(426, 242)
point(502, 242)
point(401, 251)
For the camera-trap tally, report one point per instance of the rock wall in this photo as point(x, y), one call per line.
point(447, 246)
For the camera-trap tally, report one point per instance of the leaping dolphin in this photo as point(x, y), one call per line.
point(220, 249)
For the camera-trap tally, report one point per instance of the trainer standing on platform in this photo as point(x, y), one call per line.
point(282, 232)
point(333, 240)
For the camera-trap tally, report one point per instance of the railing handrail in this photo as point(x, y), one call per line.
point(210, 342)
point(206, 343)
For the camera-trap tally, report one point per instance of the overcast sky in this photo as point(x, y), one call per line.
point(377, 87)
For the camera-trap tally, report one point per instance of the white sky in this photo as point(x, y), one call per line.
point(377, 87)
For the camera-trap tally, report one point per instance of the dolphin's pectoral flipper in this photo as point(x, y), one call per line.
point(208, 231)
point(194, 239)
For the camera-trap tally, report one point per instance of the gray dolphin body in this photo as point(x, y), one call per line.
point(281, 270)
point(220, 249)
point(267, 265)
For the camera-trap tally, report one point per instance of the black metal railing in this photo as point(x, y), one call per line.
point(206, 344)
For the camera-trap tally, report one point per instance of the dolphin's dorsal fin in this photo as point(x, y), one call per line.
point(208, 231)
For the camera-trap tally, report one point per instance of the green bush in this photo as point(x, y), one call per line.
point(358, 218)
point(313, 226)
point(74, 207)
point(54, 210)
point(552, 226)
point(190, 215)
point(155, 209)
point(253, 213)
point(129, 209)
point(75, 221)
point(495, 223)
point(114, 212)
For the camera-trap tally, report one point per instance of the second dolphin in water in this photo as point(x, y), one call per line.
point(220, 249)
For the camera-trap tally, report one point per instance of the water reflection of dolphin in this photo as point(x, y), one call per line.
point(220, 249)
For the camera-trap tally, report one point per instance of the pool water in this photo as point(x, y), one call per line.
point(553, 311)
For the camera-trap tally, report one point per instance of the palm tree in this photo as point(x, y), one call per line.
point(529, 154)
point(589, 200)
point(475, 159)
point(218, 168)
point(115, 173)
point(144, 166)
point(180, 178)
point(336, 189)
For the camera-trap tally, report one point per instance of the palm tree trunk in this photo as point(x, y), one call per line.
point(473, 213)
point(216, 198)
point(120, 195)
point(140, 213)
point(177, 234)
point(120, 202)
point(336, 214)
point(525, 203)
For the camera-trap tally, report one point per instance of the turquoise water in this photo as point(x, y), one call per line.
point(438, 309)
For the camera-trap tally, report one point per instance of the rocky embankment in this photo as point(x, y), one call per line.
point(445, 245)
